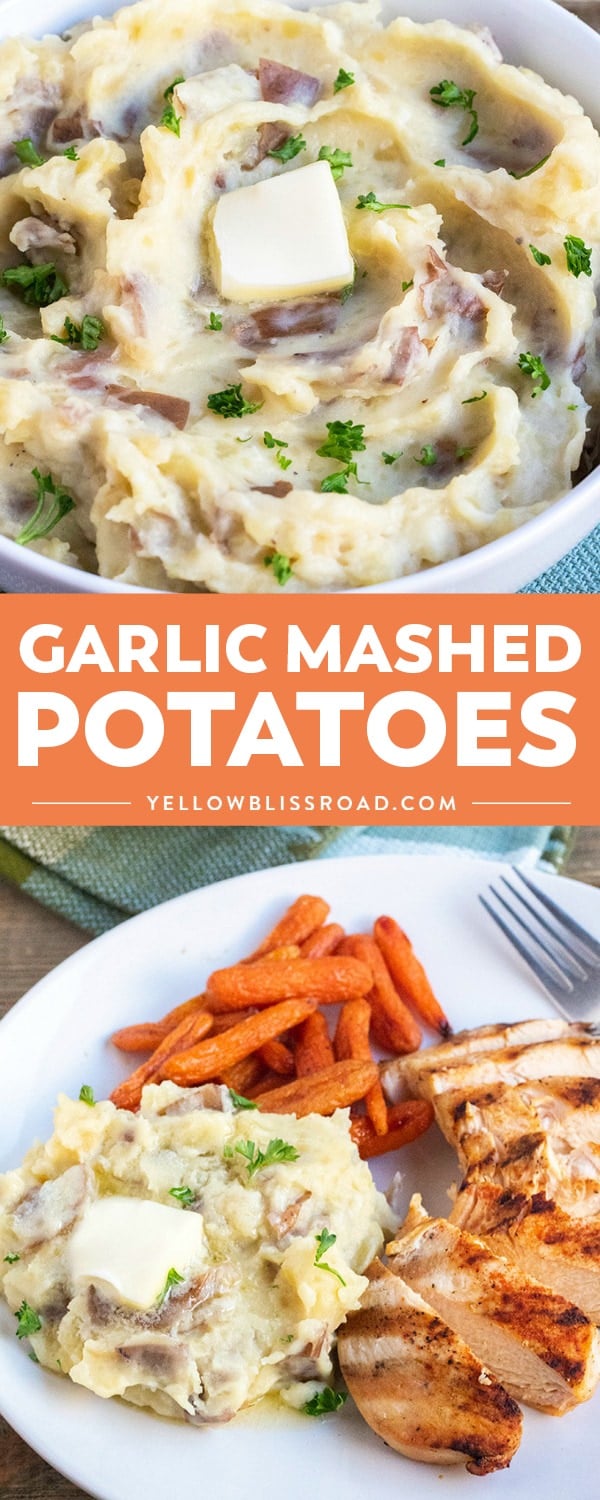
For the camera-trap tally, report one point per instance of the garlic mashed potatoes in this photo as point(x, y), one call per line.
point(316, 410)
point(190, 1258)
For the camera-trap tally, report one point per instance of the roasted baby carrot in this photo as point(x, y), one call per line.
point(321, 1093)
point(314, 1049)
point(145, 1037)
point(406, 1121)
point(128, 1094)
point(226, 1018)
point(211, 1058)
point(329, 980)
point(279, 1058)
point(352, 1040)
point(300, 919)
point(409, 975)
point(242, 1076)
point(393, 1026)
point(323, 941)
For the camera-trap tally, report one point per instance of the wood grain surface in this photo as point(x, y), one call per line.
point(33, 941)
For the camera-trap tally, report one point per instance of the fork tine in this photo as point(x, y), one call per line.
point(589, 945)
point(554, 959)
point(556, 988)
point(566, 955)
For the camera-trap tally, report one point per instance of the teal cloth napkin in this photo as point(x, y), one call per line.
point(97, 877)
point(576, 573)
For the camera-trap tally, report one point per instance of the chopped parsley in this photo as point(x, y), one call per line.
point(40, 285)
point(573, 406)
point(463, 453)
point(72, 153)
point(239, 1101)
point(337, 484)
point(530, 170)
point(345, 438)
point(343, 81)
point(290, 148)
point(441, 162)
point(428, 456)
point(450, 96)
point(27, 1321)
point(337, 159)
point(282, 571)
point(53, 502)
point(471, 399)
point(11, 1258)
point(578, 255)
point(532, 365)
point(169, 118)
point(406, 285)
point(325, 1401)
point(85, 335)
point(173, 1279)
point(183, 1195)
point(3, 333)
point(284, 463)
point(371, 201)
point(215, 322)
point(276, 1151)
point(231, 403)
point(27, 154)
point(539, 257)
point(390, 458)
point(325, 1241)
point(86, 1094)
point(273, 442)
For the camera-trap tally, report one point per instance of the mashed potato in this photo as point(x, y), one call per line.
point(257, 1305)
point(453, 364)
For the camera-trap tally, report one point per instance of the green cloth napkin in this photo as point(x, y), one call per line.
point(98, 877)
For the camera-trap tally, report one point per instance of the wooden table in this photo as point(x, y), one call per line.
point(33, 941)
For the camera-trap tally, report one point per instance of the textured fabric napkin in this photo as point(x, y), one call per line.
point(99, 876)
point(577, 573)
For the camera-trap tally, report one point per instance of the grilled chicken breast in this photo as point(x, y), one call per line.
point(537, 1235)
point(410, 1074)
point(418, 1385)
point(544, 1349)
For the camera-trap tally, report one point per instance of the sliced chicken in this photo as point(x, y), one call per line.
point(542, 1347)
point(530, 1230)
point(410, 1074)
point(418, 1385)
point(570, 1056)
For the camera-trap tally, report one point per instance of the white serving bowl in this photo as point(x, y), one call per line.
point(537, 34)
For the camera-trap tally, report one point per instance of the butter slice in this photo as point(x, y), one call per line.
point(132, 1244)
point(281, 238)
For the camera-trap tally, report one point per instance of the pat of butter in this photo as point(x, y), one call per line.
point(281, 238)
point(133, 1243)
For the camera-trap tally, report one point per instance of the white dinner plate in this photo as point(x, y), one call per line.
point(56, 1039)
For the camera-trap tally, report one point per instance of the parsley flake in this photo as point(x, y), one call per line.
point(183, 1195)
point(428, 456)
point(406, 285)
point(336, 484)
point(345, 438)
point(390, 458)
point(540, 258)
point(27, 1321)
point(284, 463)
point(449, 96)
point(290, 148)
point(231, 403)
point(276, 1151)
point(371, 201)
point(337, 159)
point(215, 322)
point(530, 170)
point(441, 162)
point(86, 1094)
point(170, 90)
point(173, 1279)
point(463, 453)
point(578, 255)
point(343, 81)
point(3, 333)
point(53, 502)
point(169, 118)
point(11, 1258)
point(239, 1101)
point(282, 571)
point(532, 365)
point(72, 153)
point(325, 1401)
point(325, 1241)
point(27, 154)
point(471, 399)
point(85, 335)
point(40, 285)
point(273, 442)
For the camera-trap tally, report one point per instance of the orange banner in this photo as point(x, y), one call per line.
point(333, 709)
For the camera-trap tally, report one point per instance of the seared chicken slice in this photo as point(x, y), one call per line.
point(418, 1385)
point(410, 1074)
point(560, 1251)
point(544, 1349)
point(567, 1056)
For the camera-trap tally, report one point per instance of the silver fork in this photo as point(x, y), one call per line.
point(562, 955)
